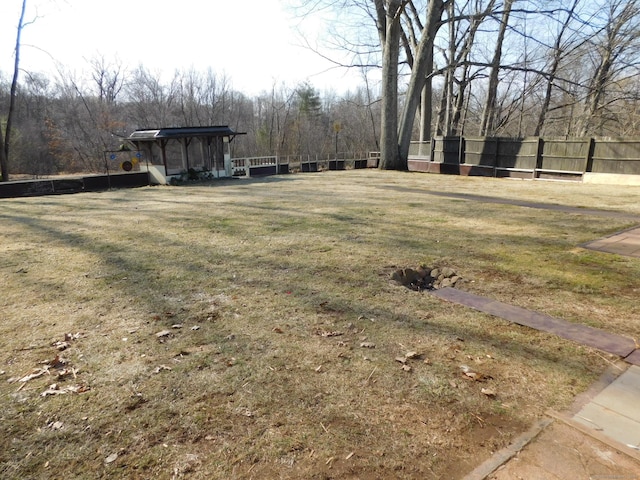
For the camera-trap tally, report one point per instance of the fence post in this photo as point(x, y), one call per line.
point(539, 155)
point(496, 165)
point(588, 165)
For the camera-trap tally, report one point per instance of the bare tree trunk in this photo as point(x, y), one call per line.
point(420, 76)
point(557, 56)
point(487, 126)
point(389, 159)
point(620, 33)
point(4, 170)
point(4, 157)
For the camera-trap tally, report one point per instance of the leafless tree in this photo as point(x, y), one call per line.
point(616, 50)
point(6, 140)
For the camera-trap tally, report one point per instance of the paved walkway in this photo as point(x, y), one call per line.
point(600, 441)
point(600, 437)
point(615, 344)
point(622, 243)
point(518, 203)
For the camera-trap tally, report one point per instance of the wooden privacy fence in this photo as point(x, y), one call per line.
point(531, 157)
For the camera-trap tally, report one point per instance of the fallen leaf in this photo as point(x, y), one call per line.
point(368, 345)
point(488, 392)
point(60, 346)
point(331, 334)
point(160, 368)
point(57, 362)
point(65, 372)
point(34, 374)
point(54, 389)
point(55, 425)
point(469, 373)
point(111, 458)
point(177, 325)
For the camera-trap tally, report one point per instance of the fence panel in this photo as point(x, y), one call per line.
point(480, 151)
point(518, 154)
point(446, 150)
point(621, 156)
point(563, 155)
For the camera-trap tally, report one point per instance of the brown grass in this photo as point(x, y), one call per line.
point(269, 270)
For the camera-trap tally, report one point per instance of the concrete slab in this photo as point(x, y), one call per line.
point(634, 358)
point(563, 452)
point(625, 243)
point(615, 412)
point(610, 423)
point(623, 395)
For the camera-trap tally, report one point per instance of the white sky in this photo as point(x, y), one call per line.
point(252, 42)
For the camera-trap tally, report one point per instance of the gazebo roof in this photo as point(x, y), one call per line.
point(152, 135)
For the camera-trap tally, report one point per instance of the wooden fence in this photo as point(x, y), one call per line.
point(533, 157)
point(58, 186)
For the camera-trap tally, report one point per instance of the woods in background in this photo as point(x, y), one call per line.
point(511, 68)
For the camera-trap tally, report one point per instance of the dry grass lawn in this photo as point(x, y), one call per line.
point(216, 330)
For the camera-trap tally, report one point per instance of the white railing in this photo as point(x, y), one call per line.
point(243, 166)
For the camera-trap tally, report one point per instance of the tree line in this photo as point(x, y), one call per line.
point(490, 67)
point(64, 123)
point(429, 67)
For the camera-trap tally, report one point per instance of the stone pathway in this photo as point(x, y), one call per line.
point(518, 203)
point(600, 438)
point(600, 441)
point(623, 243)
point(607, 342)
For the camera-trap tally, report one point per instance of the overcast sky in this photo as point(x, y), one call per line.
point(253, 42)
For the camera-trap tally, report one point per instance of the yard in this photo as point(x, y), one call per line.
point(249, 328)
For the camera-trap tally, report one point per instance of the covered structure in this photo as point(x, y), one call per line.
point(173, 152)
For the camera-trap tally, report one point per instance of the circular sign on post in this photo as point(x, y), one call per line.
point(127, 166)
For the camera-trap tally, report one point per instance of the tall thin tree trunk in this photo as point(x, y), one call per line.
point(420, 77)
point(557, 56)
point(4, 157)
point(487, 126)
point(4, 170)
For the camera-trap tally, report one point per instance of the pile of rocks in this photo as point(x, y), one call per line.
point(425, 278)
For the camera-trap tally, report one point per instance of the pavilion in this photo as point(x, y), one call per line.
point(171, 152)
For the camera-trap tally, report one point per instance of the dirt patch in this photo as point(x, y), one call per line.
point(426, 278)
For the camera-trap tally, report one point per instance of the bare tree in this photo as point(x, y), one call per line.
point(5, 142)
point(487, 126)
point(388, 23)
point(557, 53)
point(615, 50)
